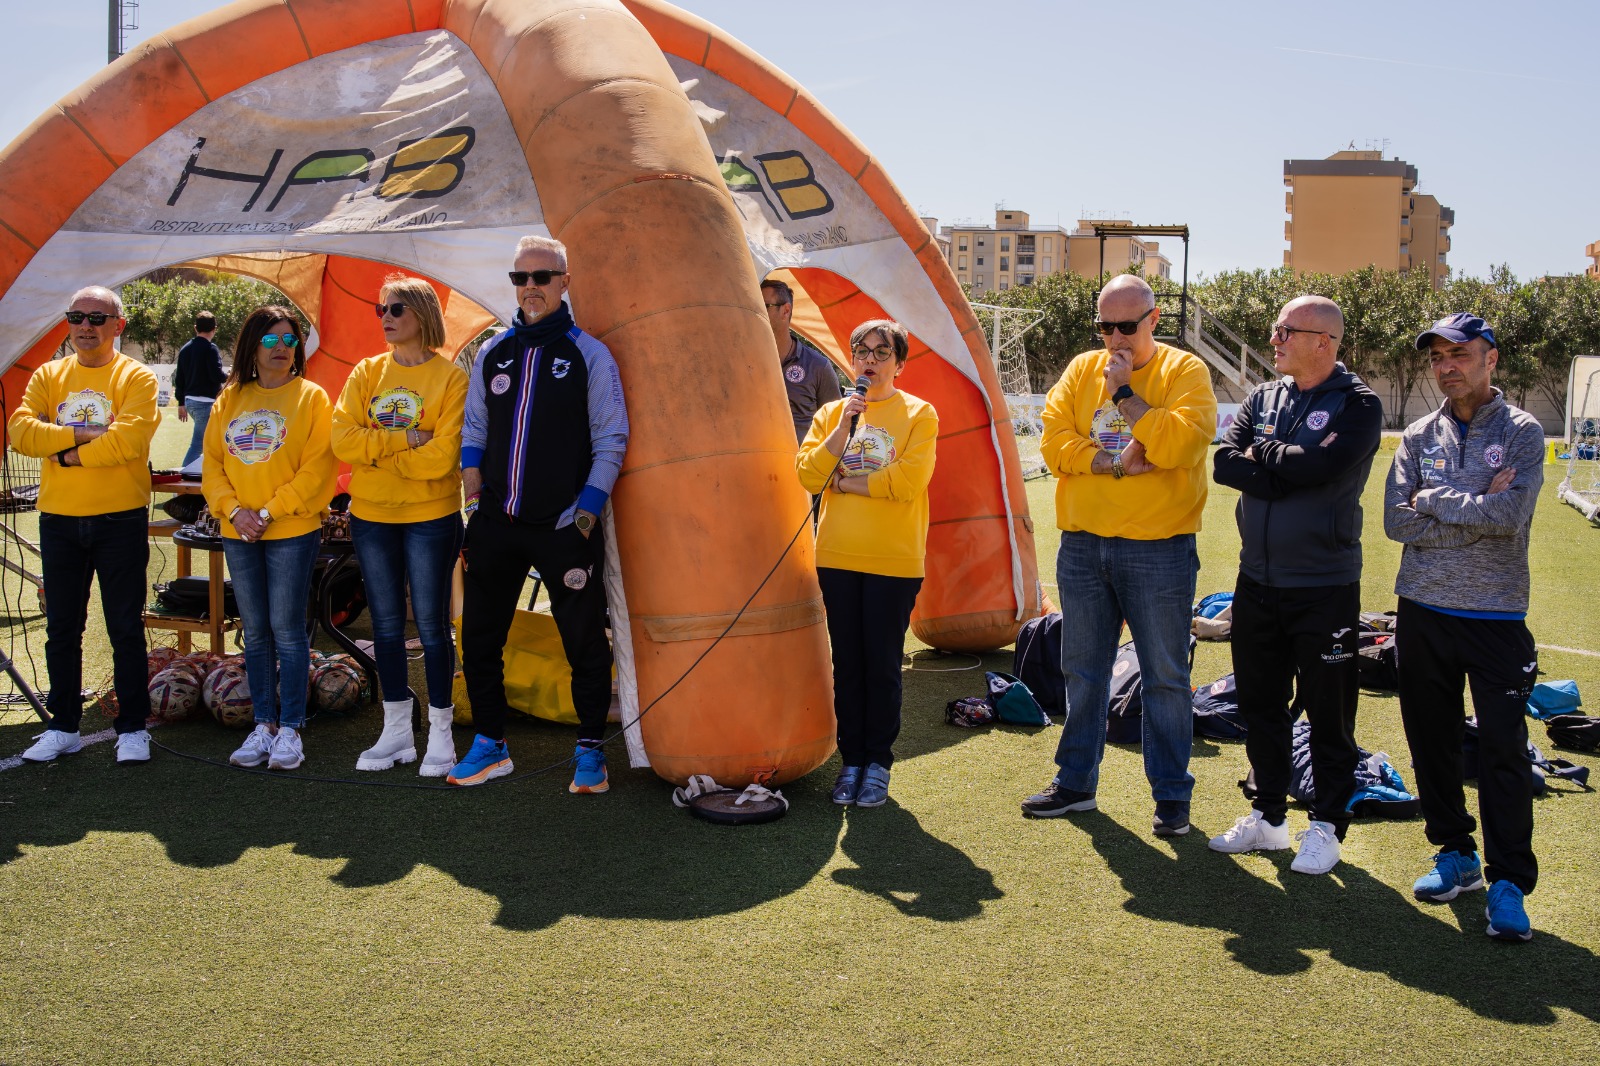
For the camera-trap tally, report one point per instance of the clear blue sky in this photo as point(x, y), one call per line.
point(1162, 111)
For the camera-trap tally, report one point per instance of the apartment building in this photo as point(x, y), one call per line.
point(1593, 252)
point(1356, 209)
point(1015, 252)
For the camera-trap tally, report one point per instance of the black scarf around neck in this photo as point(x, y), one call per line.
point(547, 329)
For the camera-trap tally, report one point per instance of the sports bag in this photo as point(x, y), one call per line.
point(1377, 664)
point(1575, 732)
point(190, 597)
point(1125, 712)
point(1037, 662)
point(1216, 711)
point(1380, 790)
point(1013, 703)
point(1542, 767)
point(1550, 698)
point(969, 712)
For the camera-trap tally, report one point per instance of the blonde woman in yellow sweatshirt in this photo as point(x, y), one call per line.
point(267, 475)
point(398, 425)
point(871, 458)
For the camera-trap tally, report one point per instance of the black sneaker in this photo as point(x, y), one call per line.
point(1055, 801)
point(1172, 818)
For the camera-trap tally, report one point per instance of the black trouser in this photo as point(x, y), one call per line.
point(867, 619)
point(499, 553)
point(73, 552)
point(1437, 652)
point(1300, 642)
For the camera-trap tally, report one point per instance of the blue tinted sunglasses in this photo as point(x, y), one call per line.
point(271, 340)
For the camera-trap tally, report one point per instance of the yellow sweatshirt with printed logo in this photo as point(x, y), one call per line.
point(64, 394)
point(390, 481)
point(885, 533)
point(1080, 420)
point(269, 448)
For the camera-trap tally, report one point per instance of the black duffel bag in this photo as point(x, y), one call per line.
point(190, 597)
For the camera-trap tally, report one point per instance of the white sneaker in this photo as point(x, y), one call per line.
point(396, 743)
point(441, 755)
point(53, 742)
point(287, 754)
point(134, 747)
point(1319, 849)
point(256, 747)
point(1252, 833)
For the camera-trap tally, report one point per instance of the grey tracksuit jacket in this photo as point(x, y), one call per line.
point(1464, 550)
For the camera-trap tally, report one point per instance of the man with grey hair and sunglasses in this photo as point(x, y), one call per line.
point(1127, 431)
point(542, 441)
point(89, 417)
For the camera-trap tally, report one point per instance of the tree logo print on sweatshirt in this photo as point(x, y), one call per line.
point(395, 408)
point(1110, 430)
point(253, 436)
point(871, 449)
point(87, 407)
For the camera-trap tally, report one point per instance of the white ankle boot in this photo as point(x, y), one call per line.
point(395, 744)
point(441, 756)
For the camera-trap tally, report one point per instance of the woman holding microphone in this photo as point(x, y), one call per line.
point(871, 458)
point(398, 425)
point(267, 474)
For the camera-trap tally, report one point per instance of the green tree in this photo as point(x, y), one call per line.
point(161, 314)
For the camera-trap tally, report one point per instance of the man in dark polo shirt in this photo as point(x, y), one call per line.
point(807, 373)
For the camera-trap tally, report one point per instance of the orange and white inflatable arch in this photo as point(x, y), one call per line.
point(678, 167)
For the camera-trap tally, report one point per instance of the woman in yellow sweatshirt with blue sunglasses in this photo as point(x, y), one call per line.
point(267, 475)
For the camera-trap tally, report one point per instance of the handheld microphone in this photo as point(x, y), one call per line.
point(863, 383)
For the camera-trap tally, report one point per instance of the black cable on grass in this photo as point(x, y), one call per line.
point(281, 775)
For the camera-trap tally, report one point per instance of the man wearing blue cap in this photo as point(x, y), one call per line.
point(1460, 497)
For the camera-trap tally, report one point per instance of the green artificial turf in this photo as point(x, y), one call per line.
point(182, 912)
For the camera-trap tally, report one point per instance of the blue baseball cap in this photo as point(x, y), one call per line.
point(1459, 329)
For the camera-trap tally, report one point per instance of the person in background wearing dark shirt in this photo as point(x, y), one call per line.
point(808, 375)
point(197, 381)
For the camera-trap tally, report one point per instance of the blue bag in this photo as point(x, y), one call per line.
point(1551, 698)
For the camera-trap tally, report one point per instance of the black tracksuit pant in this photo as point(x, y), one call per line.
point(499, 552)
point(1298, 644)
point(1438, 652)
point(867, 619)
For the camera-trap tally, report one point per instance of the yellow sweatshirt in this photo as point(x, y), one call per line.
point(390, 481)
point(269, 448)
point(64, 394)
point(885, 533)
point(1080, 420)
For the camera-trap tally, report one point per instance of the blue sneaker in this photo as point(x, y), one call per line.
point(486, 760)
point(589, 771)
point(1507, 919)
point(874, 790)
point(1453, 873)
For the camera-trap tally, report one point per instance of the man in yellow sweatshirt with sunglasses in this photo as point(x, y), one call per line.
point(89, 417)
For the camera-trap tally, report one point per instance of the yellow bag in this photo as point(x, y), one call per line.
point(538, 679)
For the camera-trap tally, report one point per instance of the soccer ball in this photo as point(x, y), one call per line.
point(227, 695)
point(158, 659)
point(174, 695)
point(336, 686)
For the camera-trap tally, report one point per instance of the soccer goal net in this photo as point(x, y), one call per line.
point(1007, 328)
point(1581, 487)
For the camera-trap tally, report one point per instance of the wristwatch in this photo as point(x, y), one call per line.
point(584, 521)
point(264, 515)
point(1121, 394)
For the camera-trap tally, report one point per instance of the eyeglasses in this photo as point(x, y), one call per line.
point(519, 278)
point(771, 306)
point(271, 340)
point(394, 309)
point(96, 318)
point(1280, 332)
point(880, 354)
point(1127, 329)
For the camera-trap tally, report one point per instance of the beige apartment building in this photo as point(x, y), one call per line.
point(1357, 209)
point(1015, 252)
point(1593, 252)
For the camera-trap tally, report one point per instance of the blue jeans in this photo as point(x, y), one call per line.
point(272, 585)
point(73, 551)
point(423, 554)
point(1150, 584)
point(199, 414)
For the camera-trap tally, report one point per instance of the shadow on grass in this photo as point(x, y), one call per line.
point(542, 853)
point(1360, 922)
point(918, 874)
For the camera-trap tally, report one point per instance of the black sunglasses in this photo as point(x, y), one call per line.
point(96, 318)
point(395, 309)
point(1127, 329)
point(519, 278)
